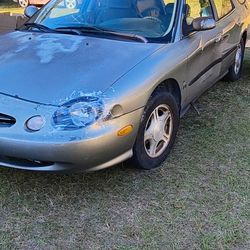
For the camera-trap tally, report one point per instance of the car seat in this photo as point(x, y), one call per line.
point(169, 10)
point(115, 9)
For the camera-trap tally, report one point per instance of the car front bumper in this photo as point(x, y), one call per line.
point(93, 148)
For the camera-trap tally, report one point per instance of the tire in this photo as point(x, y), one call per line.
point(23, 3)
point(149, 153)
point(235, 70)
point(70, 4)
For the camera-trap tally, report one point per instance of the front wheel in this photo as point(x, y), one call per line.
point(235, 70)
point(157, 131)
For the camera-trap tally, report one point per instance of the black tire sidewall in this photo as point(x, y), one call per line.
point(141, 158)
point(232, 75)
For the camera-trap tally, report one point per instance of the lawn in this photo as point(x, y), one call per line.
point(199, 199)
point(9, 6)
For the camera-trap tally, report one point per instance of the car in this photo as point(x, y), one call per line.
point(71, 4)
point(26, 3)
point(85, 89)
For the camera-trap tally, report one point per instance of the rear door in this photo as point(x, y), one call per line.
point(229, 25)
point(204, 64)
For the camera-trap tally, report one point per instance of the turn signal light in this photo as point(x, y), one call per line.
point(125, 131)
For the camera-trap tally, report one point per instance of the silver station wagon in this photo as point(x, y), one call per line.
point(89, 87)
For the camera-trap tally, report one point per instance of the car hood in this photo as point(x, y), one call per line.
point(52, 68)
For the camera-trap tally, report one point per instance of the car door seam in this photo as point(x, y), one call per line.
point(210, 66)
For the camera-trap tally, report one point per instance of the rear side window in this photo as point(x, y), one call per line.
point(223, 7)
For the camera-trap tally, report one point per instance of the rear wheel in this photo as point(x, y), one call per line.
point(157, 131)
point(235, 70)
point(23, 3)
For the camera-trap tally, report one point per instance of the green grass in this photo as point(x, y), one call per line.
point(10, 6)
point(199, 199)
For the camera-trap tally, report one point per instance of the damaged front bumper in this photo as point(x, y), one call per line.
point(92, 148)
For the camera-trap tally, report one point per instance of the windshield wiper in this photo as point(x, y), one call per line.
point(78, 30)
point(47, 29)
point(39, 27)
point(95, 29)
point(84, 28)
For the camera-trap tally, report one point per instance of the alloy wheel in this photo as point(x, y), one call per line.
point(238, 60)
point(158, 131)
point(71, 4)
point(23, 3)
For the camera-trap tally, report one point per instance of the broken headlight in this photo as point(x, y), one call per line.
point(78, 113)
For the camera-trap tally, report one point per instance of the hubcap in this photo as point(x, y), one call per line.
point(238, 60)
point(23, 3)
point(158, 131)
point(71, 4)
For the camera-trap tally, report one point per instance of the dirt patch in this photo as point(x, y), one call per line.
point(10, 21)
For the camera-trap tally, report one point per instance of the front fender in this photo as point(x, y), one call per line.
point(133, 90)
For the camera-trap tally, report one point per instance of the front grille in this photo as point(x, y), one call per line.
point(20, 162)
point(6, 120)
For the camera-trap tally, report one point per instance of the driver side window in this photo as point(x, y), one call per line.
point(198, 8)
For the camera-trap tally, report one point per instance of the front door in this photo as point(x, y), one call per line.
point(204, 61)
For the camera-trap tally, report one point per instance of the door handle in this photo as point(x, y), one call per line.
point(218, 38)
point(226, 36)
point(221, 37)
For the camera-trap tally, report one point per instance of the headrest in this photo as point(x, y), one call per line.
point(169, 8)
point(119, 4)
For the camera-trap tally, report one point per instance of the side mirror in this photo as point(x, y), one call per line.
point(30, 11)
point(203, 23)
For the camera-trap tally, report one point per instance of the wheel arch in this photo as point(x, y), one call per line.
point(172, 86)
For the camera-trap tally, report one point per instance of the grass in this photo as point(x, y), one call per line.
point(199, 199)
point(9, 6)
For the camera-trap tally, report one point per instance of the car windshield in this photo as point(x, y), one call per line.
point(145, 18)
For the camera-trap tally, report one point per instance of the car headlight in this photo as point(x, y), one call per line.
point(78, 113)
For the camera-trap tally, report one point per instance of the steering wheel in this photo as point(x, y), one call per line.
point(146, 14)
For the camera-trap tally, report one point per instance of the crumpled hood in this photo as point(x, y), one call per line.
point(51, 68)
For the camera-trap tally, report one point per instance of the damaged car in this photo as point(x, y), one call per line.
point(89, 87)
